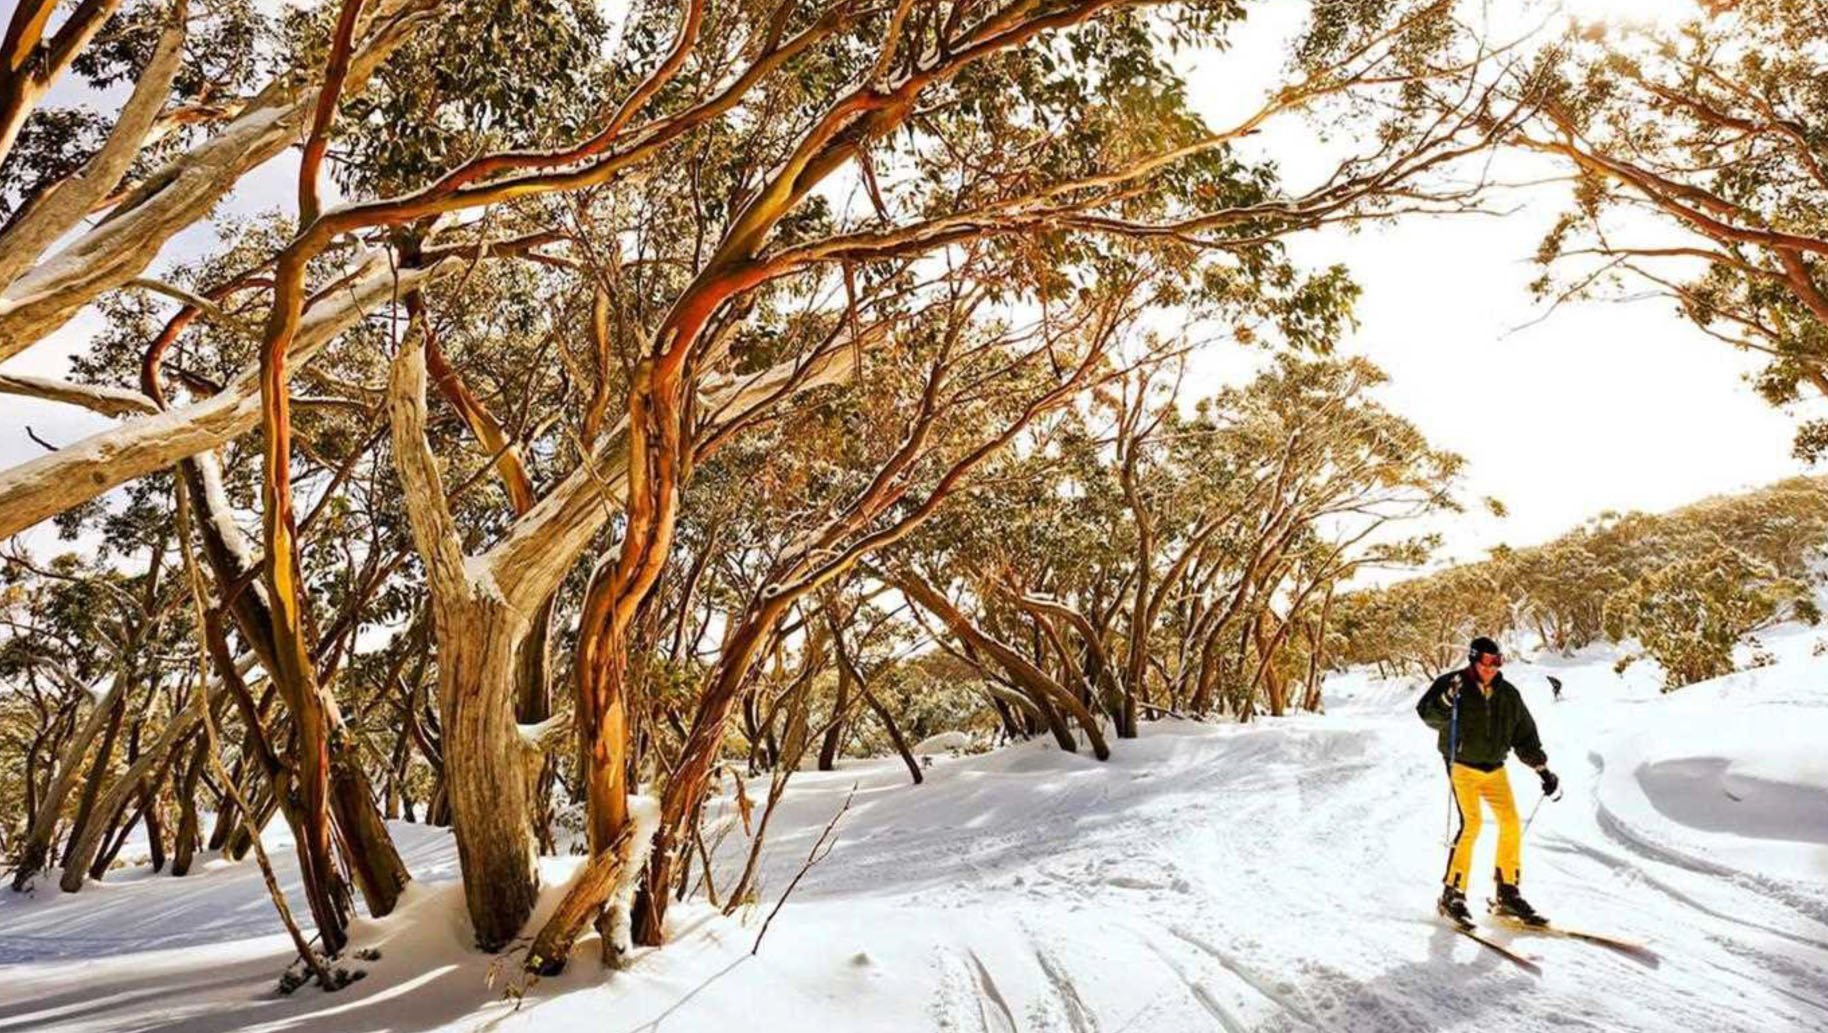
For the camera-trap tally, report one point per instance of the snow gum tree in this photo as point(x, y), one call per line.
point(533, 269)
point(1179, 568)
point(1621, 575)
point(1701, 166)
point(1690, 615)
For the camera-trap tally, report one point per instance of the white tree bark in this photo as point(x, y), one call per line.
point(109, 401)
point(62, 206)
point(543, 544)
point(50, 484)
point(434, 529)
point(178, 195)
point(486, 774)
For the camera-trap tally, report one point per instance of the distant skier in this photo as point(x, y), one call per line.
point(1555, 687)
point(1482, 718)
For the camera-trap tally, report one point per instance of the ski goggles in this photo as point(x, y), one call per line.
point(1492, 660)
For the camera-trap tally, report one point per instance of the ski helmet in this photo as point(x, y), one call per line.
point(1482, 646)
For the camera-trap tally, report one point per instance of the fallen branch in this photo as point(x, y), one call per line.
point(552, 947)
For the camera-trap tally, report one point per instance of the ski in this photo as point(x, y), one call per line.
point(1636, 951)
point(1474, 935)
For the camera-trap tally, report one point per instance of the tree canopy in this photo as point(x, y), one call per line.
point(614, 402)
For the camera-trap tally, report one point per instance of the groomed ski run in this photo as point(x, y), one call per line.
point(1273, 877)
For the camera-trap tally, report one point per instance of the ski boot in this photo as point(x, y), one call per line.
point(1510, 904)
point(1452, 906)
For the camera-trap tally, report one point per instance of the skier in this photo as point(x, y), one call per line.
point(1482, 718)
point(1555, 687)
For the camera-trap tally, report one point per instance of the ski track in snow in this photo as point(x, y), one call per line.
point(1271, 878)
point(1080, 1018)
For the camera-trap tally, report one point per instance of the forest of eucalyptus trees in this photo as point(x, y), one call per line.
point(611, 404)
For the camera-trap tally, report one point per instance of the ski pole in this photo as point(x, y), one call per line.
point(1528, 821)
point(1447, 823)
point(1526, 825)
point(1453, 748)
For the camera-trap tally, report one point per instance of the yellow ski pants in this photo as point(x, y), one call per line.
point(1472, 788)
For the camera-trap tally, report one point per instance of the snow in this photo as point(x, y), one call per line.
point(222, 513)
point(98, 692)
point(644, 815)
point(1276, 876)
point(944, 742)
point(480, 572)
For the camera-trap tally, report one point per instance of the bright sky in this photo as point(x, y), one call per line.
point(1601, 405)
point(1621, 406)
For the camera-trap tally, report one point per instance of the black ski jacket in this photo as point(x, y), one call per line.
point(1489, 727)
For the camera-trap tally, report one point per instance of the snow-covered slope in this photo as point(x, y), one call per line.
point(1278, 876)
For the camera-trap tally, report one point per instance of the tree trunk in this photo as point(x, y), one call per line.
point(1267, 675)
point(486, 770)
point(1032, 679)
point(888, 724)
point(86, 842)
point(37, 848)
point(367, 847)
point(601, 684)
point(227, 819)
point(326, 761)
point(92, 787)
point(395, 793)
point(581, 902)
point(533, 704)
point(155, 825)
point(1011, 729)
point(239, 841)
point(184, 848)
point(1206, 683)
point(486, 765)
point(752, 730)
point(146, 808)
point(438, 806)
point(686, 786)
point(834, 733)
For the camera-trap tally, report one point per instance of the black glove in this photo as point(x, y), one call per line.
point(1549, 782)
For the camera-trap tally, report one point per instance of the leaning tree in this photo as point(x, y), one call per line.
point(614, 249)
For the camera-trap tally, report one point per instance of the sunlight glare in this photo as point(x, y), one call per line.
point(1631, 12)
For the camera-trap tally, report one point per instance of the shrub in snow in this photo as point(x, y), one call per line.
point(1558, 592)
point(1690, 614)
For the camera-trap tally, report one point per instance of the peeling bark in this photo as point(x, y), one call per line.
point(485, 764)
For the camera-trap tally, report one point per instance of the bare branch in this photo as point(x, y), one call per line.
point(63, 205)
point(109, 401)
